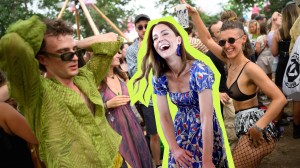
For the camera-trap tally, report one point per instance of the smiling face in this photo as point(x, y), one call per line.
point(232, 50)
point(165, 41)
point(55, 66)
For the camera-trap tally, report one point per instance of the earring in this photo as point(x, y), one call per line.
point(178, 51)
point(244, 46)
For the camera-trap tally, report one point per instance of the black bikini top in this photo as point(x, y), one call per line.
point(234, 90)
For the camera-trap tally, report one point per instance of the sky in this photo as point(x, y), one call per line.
point(211, 7)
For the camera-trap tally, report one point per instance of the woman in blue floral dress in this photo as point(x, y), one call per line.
point(195, 138)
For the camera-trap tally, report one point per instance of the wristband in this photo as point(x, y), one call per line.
point(257, 128)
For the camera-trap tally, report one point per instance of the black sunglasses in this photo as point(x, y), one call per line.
point(230, 40)
point(140, 27)
point(68, 56)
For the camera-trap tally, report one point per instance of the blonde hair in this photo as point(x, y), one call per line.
point(290, 14)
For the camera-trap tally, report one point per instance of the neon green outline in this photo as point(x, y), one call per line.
point(137, 94)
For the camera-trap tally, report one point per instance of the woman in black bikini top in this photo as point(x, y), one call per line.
point(251, 123)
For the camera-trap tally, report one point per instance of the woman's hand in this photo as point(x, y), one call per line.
point(117, 101)
point(256, 136)
point(224, 98)
point(191, 10)
point(182, 157)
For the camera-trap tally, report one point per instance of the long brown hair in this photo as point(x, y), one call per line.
point(290, 14)
point(153, 61)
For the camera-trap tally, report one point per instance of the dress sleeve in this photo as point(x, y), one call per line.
point(201, 77)
point(160, 85)
point(102, 57)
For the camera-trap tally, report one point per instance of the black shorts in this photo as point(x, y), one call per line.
point(148, 113)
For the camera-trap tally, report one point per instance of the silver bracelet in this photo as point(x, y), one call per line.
point(257, 128)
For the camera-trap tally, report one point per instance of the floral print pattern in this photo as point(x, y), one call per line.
point(187, 123)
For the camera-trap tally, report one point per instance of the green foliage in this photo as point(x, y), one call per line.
point(114, 10)
point(209, 19)
point(243, 6)
point(13, 10)
point(237, 7)
point(278, 5)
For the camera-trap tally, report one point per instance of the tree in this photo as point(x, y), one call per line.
point(237, 7)
point(245, 5)
point(277, 5)
point(11, 11)
point(113, 9)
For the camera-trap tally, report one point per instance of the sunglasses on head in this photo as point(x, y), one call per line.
point(68, 56)
point(230, 40)
point(140, 27)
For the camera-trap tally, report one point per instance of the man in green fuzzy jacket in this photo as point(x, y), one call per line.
point(65, 109)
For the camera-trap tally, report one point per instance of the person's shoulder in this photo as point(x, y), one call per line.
point(160, 79)
point(198, 64)
point(132, 47)
point(251, 68)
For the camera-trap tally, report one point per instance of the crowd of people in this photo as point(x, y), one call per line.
point(65, 103)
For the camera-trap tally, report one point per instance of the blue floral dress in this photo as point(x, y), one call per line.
point(187, 124)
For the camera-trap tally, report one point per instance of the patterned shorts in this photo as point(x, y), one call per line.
point(245, 119)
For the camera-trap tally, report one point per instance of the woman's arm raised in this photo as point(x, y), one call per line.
point(203, 33)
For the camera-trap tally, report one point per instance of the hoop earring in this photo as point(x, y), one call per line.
point(178, 51)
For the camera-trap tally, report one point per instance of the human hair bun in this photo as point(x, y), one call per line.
point(233, 19)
